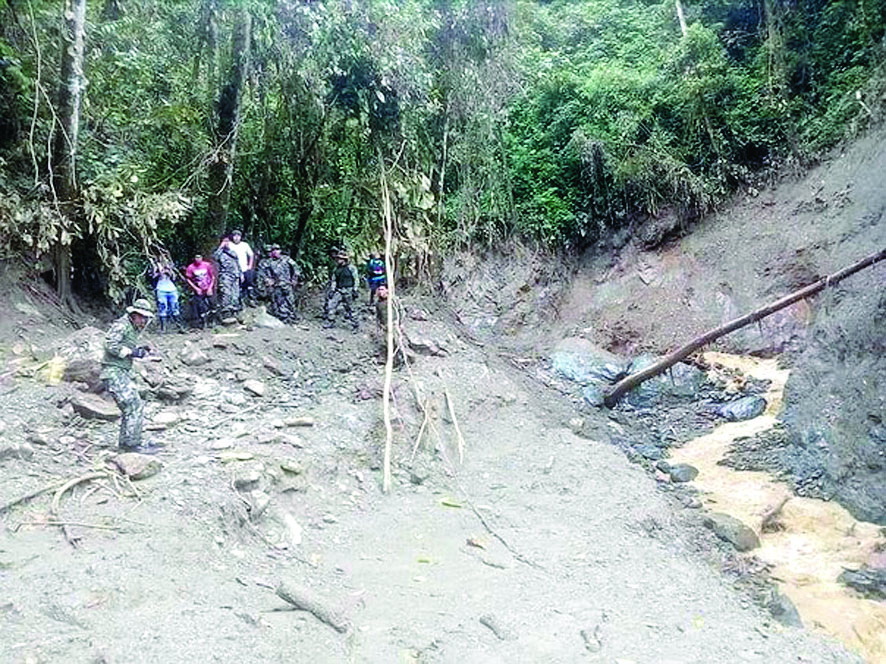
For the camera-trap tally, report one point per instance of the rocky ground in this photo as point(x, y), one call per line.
point(516, 530)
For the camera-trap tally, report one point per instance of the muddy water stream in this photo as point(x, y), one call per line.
point(819, 538)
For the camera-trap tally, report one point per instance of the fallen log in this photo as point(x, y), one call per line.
point(632, 381)
point(306, 600)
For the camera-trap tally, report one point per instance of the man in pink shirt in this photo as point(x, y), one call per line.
point(201, 278)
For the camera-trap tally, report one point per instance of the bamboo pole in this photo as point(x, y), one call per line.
point(632, 381)
point(389, 332)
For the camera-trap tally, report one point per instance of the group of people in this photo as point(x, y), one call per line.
point(223, 288)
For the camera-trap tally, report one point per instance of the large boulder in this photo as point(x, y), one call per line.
point(579, 360)
point(730, 529)
point(745, 408)
point(94, 407)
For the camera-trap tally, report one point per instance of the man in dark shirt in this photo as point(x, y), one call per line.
point(341, 292)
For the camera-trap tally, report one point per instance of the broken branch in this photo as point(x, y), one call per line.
point(305, 600)
point(632, 381)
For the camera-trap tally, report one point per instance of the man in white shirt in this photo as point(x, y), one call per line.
point(247, 262)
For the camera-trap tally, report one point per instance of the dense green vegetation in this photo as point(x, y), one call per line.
point(562, 121)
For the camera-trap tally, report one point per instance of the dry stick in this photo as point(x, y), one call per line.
point(668, 361)
point(517, 555)
point(459, 437)
point(389, 333)
point(421, 430)
point(771, 515)
point(307, 600)
point(23, 499)
point(70, 484)
point(98, 526)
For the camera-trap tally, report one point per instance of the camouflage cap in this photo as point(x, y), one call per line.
point(141, 306)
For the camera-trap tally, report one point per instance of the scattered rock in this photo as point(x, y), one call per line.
point(94, 407)
point(293, 467)
point(682, 472)
point(650, 452)
point(783, 610)
point(745, 408)
point(271, 365)
point(37, 438)
point(166, 418)
point(258, 503)
point(193, 356)
point(223, 444)
point(255, 387)
point(16, 451)
point(579, 360)
point(236, 398)
point(84, 370)
point(869, 581)
point(247, 480)
point(137, 466)
point(731, 530)
point(265, 320)
point(303, 421)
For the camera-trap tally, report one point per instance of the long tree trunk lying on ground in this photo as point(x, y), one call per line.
point(632, 381)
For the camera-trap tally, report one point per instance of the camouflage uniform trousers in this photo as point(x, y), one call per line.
point(282, 304)
point(229, 293)
point(343, 298)
point(120, 384)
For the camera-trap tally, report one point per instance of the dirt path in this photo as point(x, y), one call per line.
point(605, 569)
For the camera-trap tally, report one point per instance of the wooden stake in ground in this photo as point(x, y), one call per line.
point(632, 381)
point(389, 332)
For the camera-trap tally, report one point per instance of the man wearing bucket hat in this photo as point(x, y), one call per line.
point(342, 291)
point(121, 346)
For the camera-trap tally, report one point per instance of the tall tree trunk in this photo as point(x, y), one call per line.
point(680, 17)
point(221, 170)
point(64, 151)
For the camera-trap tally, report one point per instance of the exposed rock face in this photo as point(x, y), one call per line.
point(836, 403)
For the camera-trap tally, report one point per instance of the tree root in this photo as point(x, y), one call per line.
point(56, 499)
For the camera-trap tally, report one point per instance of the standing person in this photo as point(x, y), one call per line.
point(375, 275)
point(167, 295)
point(120, 348)
point(201, 278)
point(342, 290)
point(229, 276)
point(246, 258)
point(277, 277)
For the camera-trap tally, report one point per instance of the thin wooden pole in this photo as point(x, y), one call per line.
point(389, 332)
point(632, 381)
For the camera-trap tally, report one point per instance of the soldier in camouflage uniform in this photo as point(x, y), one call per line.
point(277, 278)
point(342, 291)
point(120, 347)
point(228, 279)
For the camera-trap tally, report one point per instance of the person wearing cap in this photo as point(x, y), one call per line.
point(246, 258)
point(121, 346)
point(229, 275)
point(375, 275)
point(277, 278)
point(342, 291)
